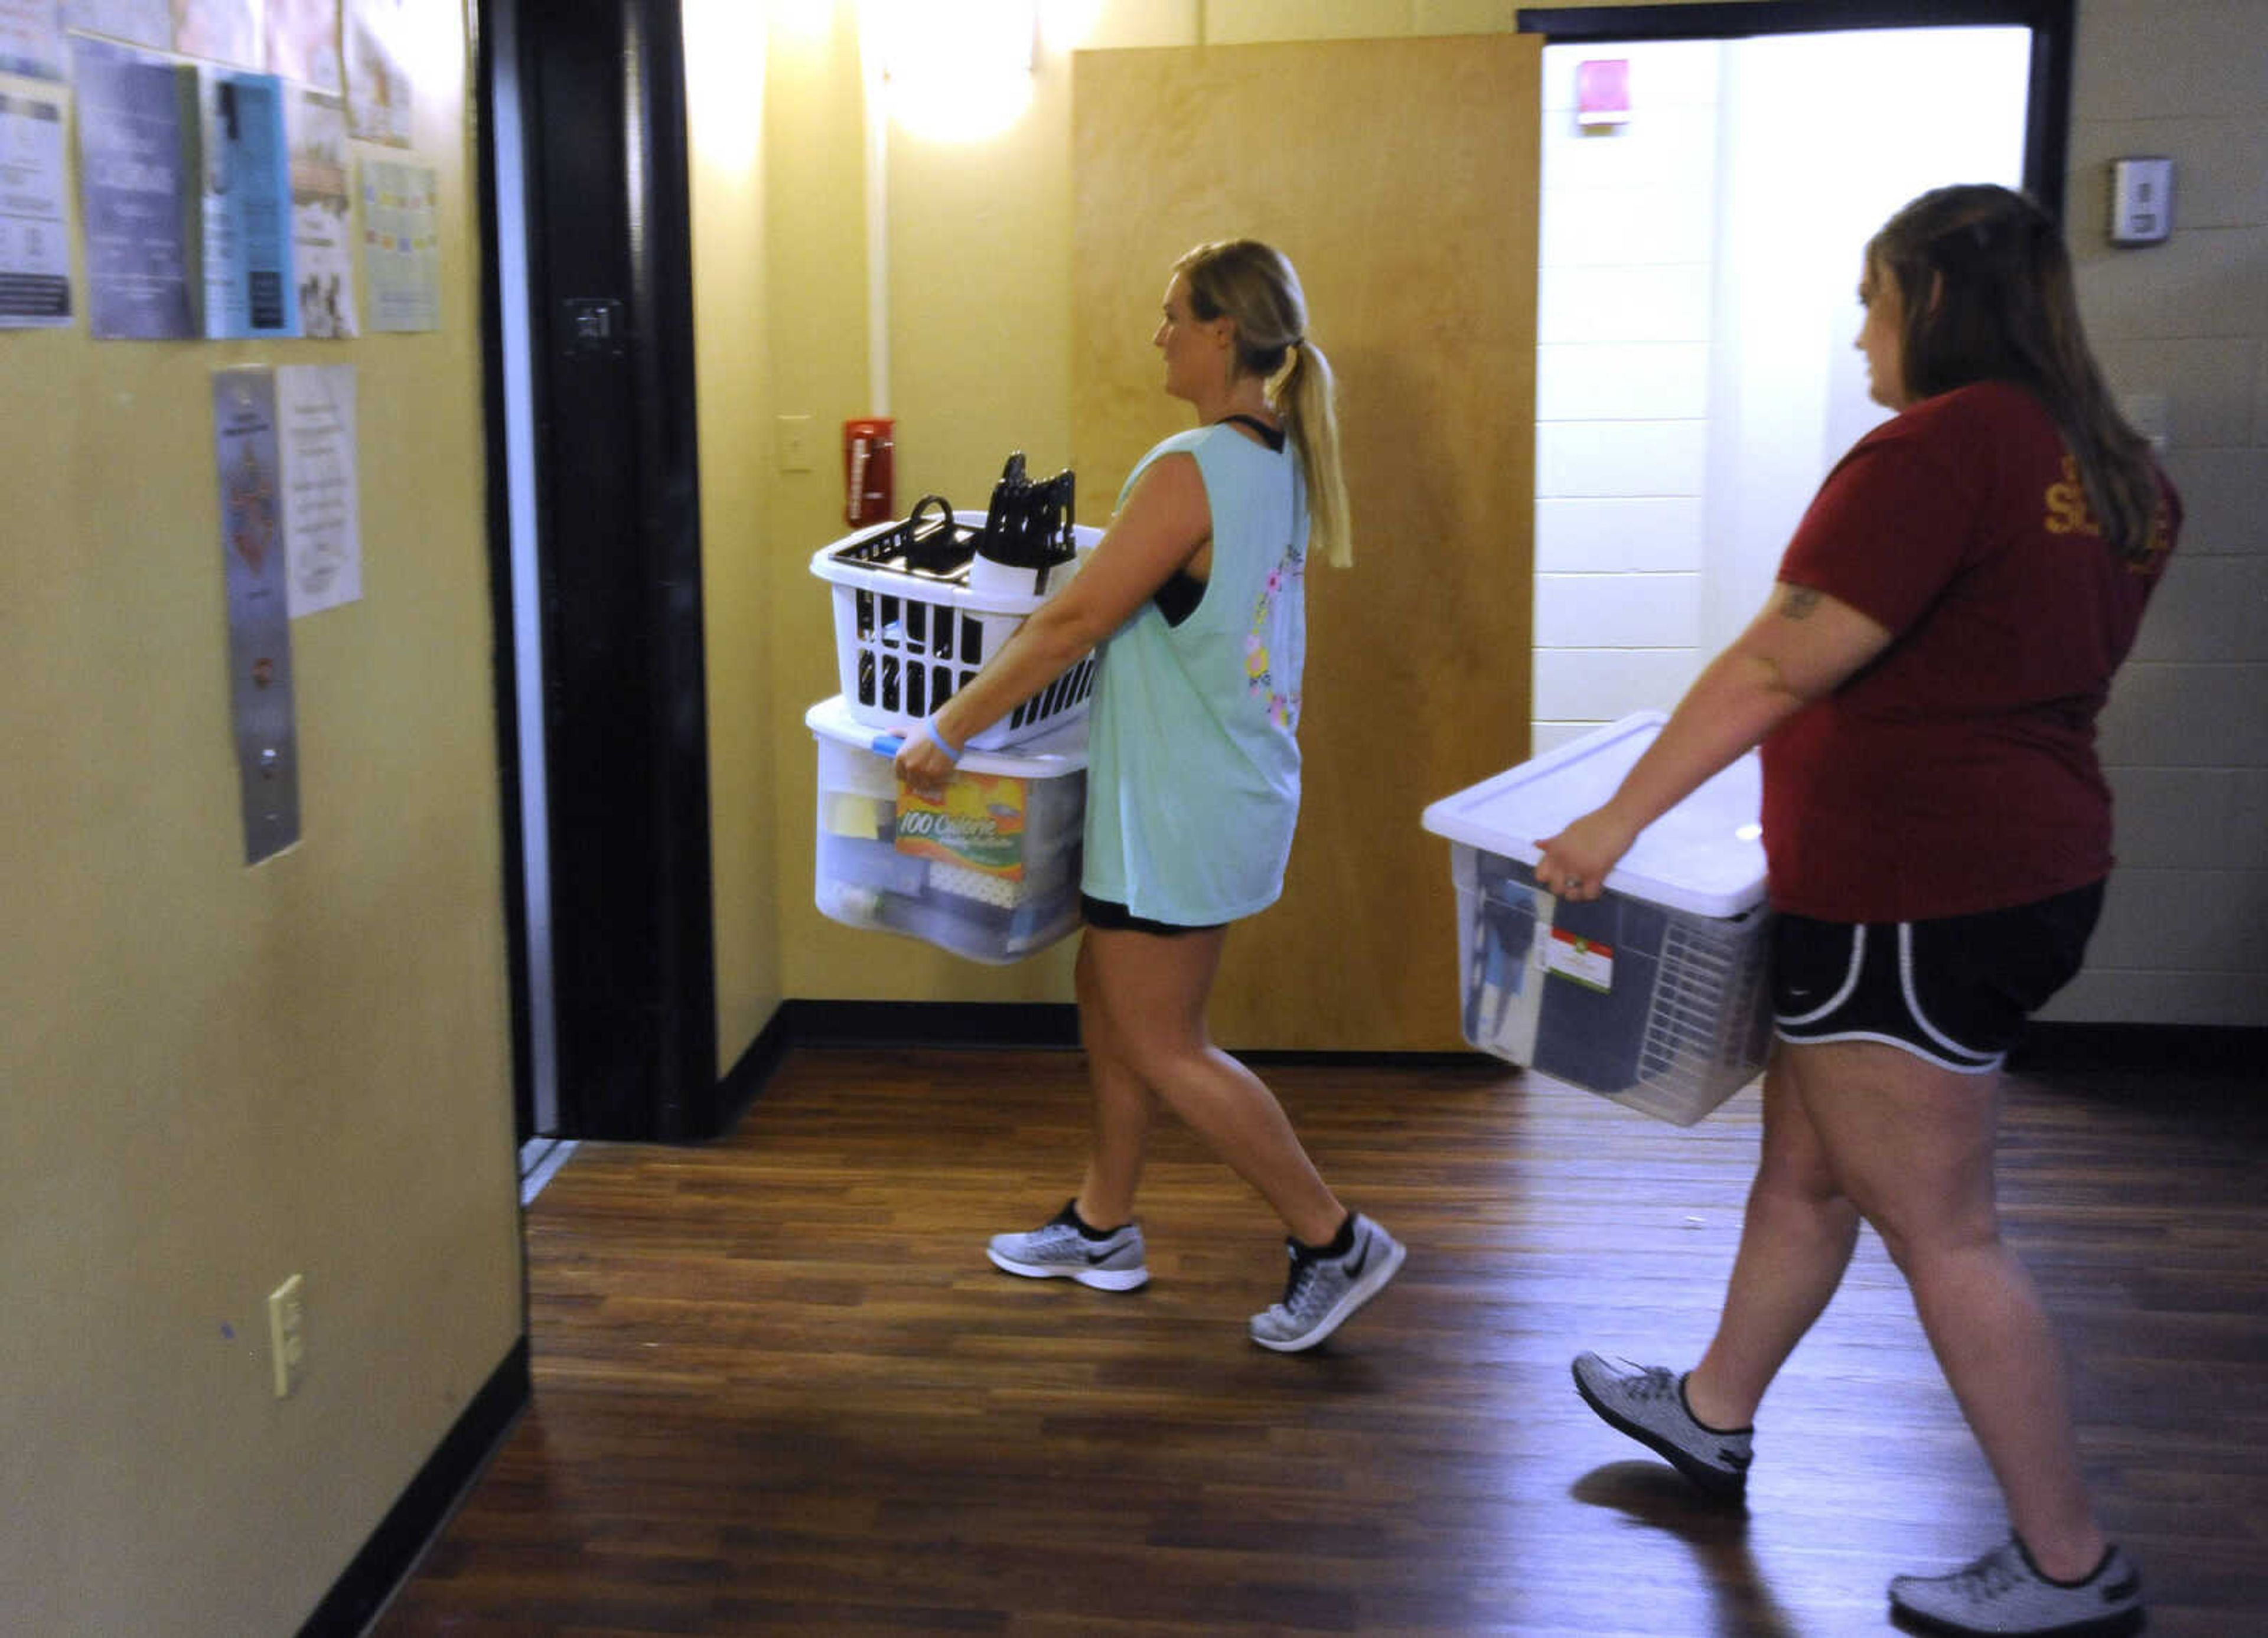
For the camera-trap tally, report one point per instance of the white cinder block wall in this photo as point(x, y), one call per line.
point(2185, 937)
point(1622, 392)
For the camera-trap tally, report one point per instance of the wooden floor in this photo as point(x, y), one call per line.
point(778, 1388)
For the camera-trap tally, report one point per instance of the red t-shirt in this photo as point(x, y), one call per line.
point(1956, 773)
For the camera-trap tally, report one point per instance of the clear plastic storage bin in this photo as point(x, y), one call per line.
point(1655, 995)
point(908, 635)
point(993, 873)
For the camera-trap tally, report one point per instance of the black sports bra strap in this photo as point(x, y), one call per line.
point(1272, 437)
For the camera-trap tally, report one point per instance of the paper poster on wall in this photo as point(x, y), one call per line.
point(381, 97)
point(402, 245)
point(322, 508)
point(248, 215)
point(34, 234)
point(303, 42)
point(143, 22)
point(322, 214)
point(136, 124)
point(222, 31)
point(259, 614)
point(31, 39)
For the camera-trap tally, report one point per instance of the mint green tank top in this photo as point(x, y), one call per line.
point(1192, 755)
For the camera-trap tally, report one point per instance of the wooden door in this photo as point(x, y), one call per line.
point(1400, 177)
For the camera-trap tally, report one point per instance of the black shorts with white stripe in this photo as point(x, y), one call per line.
point(1956, 990)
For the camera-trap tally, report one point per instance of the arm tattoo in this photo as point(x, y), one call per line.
point(1798, 603)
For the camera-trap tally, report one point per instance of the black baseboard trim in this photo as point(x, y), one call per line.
point(386, 1560)
point(1003, 1024)
point(748, 1077)
point(2213, 1049)
point(2195, 1048)
point(890, 1025)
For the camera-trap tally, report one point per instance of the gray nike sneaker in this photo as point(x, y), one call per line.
point(1647, 1402)
point(2004, 1593)
point(1057, 1251)
point(1323, 1292)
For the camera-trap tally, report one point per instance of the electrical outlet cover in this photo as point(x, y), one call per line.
point(287, 1335)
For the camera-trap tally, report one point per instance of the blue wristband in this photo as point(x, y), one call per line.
point(929, 729)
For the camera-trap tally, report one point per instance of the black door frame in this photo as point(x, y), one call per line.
point(2047, 121)
point(598, 95)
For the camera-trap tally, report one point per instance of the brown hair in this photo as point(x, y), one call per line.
point(1253, 285)
point(1985, 282)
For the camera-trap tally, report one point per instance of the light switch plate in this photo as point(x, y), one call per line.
point(794, 442)
point(2141, 201)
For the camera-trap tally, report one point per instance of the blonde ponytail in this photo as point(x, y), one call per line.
point(1306, 397)
point(1254, 285)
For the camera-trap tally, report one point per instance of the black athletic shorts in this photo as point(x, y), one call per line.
point(1113, 917)
point(1955, 991)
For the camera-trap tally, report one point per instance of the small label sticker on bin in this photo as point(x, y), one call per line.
point(979, 825)
point(1588, 962)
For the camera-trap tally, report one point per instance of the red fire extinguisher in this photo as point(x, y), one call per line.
point(866, 471)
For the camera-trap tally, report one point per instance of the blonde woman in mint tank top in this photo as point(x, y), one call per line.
point(1197, 597)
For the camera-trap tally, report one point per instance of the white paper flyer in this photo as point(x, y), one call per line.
point(220, 31)
point(381, 97)
point(322, 508)
point(303, 43)
point(322, 216)
point(34, 234)
point(142, 22)
point(31, 39)
point(402, 245)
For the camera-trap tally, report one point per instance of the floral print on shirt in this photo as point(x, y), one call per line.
point(1260, 676)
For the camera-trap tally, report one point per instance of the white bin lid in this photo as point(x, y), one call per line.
point(1706, 856)
point(1049, 755)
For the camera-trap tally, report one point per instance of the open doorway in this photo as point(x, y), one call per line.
point(1696, 299)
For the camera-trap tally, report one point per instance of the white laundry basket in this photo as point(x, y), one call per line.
point(906, 638)
point(1655, 995)
point(993, 873)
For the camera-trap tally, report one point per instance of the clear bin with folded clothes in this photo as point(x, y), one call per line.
point(990, 872)
point(1656, 993)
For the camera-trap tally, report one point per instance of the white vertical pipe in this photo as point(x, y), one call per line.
point(873, 18)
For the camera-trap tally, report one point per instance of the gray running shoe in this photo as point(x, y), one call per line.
point(1057, 1251)
point(1647, 1402)
point(1323, 1292)
point(2004, 1592)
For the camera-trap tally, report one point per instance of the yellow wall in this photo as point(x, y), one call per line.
point(214, 1076)
point(725, 58)
point(815, 225)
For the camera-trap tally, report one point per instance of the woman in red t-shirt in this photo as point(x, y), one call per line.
point(1925, 683)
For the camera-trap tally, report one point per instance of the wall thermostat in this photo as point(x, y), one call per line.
point(2141, 201)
